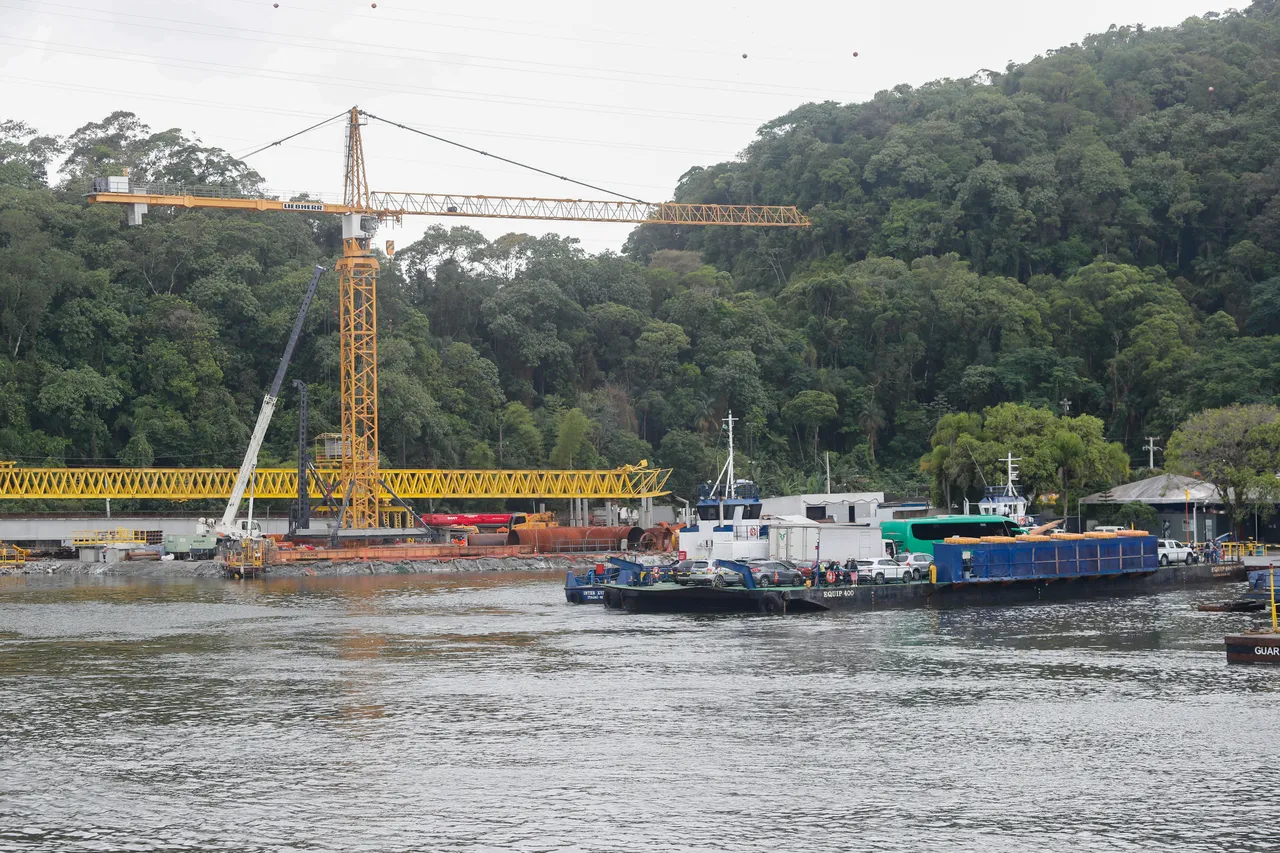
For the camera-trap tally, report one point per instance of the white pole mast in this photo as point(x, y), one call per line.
point(731, 485)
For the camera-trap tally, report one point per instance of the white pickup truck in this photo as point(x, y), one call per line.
point(1173, 551)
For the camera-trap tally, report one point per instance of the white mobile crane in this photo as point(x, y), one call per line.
point(244, 530)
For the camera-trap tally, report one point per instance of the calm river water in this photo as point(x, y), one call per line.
point(479, 713)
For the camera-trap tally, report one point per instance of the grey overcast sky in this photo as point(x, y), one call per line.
point(626, 96)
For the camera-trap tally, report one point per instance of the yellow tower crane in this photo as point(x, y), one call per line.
point(362, 211)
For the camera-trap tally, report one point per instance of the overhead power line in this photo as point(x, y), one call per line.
point(279, 111)
point(366, 49)
point(331, 82)
point(805, 59)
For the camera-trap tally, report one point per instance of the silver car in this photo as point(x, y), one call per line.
point(705, 573)
point(918, 563)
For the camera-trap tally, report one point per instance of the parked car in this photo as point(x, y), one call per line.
point(884, 569)
point(775, 573)
point(1173, 551)
point(682, 571)
point(705, 573)
point(918, 563)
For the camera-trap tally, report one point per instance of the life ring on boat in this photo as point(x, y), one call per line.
point(831, 576)
point(753, 531)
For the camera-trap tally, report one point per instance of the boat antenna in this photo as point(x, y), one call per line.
point(1012, 474)
point(730, 483)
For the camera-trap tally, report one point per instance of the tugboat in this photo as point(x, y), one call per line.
point(727, 517)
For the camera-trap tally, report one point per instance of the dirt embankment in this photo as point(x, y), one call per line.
point(209, 569)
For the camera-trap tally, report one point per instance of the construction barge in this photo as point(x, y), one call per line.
point(962, 574)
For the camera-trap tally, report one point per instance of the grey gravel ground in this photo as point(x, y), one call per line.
point(209, 569)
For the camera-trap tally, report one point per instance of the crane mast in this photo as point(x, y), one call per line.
point(358, 343)
point(362, 210)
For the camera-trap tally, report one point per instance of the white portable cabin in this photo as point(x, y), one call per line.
point(802, 540)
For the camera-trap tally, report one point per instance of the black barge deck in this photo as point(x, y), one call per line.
point(674, 598)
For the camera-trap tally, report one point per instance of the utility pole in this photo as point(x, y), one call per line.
point(1151, 452)
point(1066, 407)
point(828, 454)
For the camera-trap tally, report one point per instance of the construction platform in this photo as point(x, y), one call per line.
point(394, 553)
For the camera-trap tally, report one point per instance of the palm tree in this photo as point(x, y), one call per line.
point(1068, 452)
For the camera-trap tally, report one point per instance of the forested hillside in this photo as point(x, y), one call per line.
point(1095, 232)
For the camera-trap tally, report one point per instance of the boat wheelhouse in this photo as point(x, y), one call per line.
point(726, 523)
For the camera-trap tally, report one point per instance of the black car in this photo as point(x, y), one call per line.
point(776, 573)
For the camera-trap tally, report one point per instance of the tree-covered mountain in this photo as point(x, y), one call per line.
point(1095, 231)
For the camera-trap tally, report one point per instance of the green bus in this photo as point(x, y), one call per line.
point(919, 535)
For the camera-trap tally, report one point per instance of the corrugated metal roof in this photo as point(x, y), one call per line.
point(1163, 489)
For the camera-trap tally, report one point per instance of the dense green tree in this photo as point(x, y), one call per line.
point(1237, 449)
point(1092, 231)
point(519, 441)
point(811, 409)
point(573, 441)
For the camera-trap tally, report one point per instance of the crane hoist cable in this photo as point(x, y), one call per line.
point(284, 139)
point(503, 159)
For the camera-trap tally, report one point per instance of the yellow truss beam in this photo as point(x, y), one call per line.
point(182, 484)
point(395, 205)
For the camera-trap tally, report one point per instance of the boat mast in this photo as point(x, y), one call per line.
point(732, 484)
point(1011, 475)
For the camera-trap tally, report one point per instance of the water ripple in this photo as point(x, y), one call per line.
point(481, 713)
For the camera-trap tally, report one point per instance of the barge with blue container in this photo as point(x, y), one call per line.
point(1007, 570)
point(976, 559)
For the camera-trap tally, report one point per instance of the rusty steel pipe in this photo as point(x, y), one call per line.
point(580, 539)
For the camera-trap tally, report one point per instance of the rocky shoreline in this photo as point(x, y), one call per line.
point(210, 569)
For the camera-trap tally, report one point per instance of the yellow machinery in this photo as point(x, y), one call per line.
point(360, 486)
point(12, 555)
point(118, 538)
point(244, 557)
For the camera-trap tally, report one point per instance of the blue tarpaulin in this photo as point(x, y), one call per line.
point(1000, 561)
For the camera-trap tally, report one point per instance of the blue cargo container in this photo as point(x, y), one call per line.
point(1059, 558)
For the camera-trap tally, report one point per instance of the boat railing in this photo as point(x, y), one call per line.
point(719, 492)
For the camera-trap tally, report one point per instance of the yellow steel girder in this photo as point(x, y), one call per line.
point(179, 484)
point(395, 205)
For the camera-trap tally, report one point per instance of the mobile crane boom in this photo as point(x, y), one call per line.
point(226, 526)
